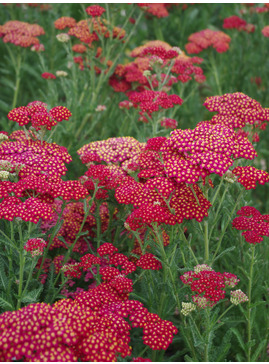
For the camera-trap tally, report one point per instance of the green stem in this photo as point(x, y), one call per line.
point(206, 240)
point(167, 268)
point(218, 209)
point(188, 245)
point(208, 331)
point(215, 73)
point(249, 326)
point(227, 223)
point(21, 271)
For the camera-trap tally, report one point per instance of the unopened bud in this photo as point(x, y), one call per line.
point(61, 73)
point(63, 37)
point(187, 308)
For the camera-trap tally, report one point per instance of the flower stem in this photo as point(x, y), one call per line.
point(249, 326)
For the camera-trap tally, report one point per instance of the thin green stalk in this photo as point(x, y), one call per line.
point(215, 73)
point(208, 327)
point(220, 317)
point(218, 210)
point(167, 268)
point(226, 226)
point(206, 240)
point(21, 270)
point(188, 245)
point(249, 326)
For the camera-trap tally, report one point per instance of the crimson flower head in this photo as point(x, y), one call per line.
point(95, 10)
point(158, 9)
point(248, 176)
point(21, 33)
point(234, 22)
point(208, 285)
point(64, 22)
point(265, 31)
point(38, 115)
point(150, 101)
point(236, 110)
point(48, 76)
point(207, 38)
point(254, 224)
point(35, 246)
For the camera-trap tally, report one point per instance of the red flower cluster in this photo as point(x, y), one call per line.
point(20, 33)
point(150, 101)
point(48, 76)
point(159, 197)
point(191, 154)
point(265, 31)
point(207, 38)
point(235, 22)
point(253, 222)
point(127, 77)
point(208, 284)
point(35, 246)
point(73, 216)
point(95, 10)
point(248, 176)
point(38, 115)
point(149, 261)
point(156, 9)
point(236, 110)
point(64, 22)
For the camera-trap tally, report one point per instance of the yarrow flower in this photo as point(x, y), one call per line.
point(209, 285)
point(238, 297)
point(95, 10)
point(35, 246)
point(253, 222)
point(187, 308)
point(248, 176)
point(159, 9)
point(236, 110)
point(64, 22)
point(48, 76)
point(21, 33)
point(265, 31)
point(149, 261)
point(207, 38)
point(38, 115)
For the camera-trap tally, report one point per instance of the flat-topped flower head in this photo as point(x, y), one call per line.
point(35, 246)
point(64, 22)
point(20, 33)
point(95, 10)
point(38, 115)
point(34, 156)
point(236, 110)
point(248, 176)
point(149, 261)
point(112, 150)
point(207, 38)
point(192, 154)
point(208, 285)
point(254, 224)
point(238, 297)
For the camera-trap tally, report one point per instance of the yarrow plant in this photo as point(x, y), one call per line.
point(133, 208)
